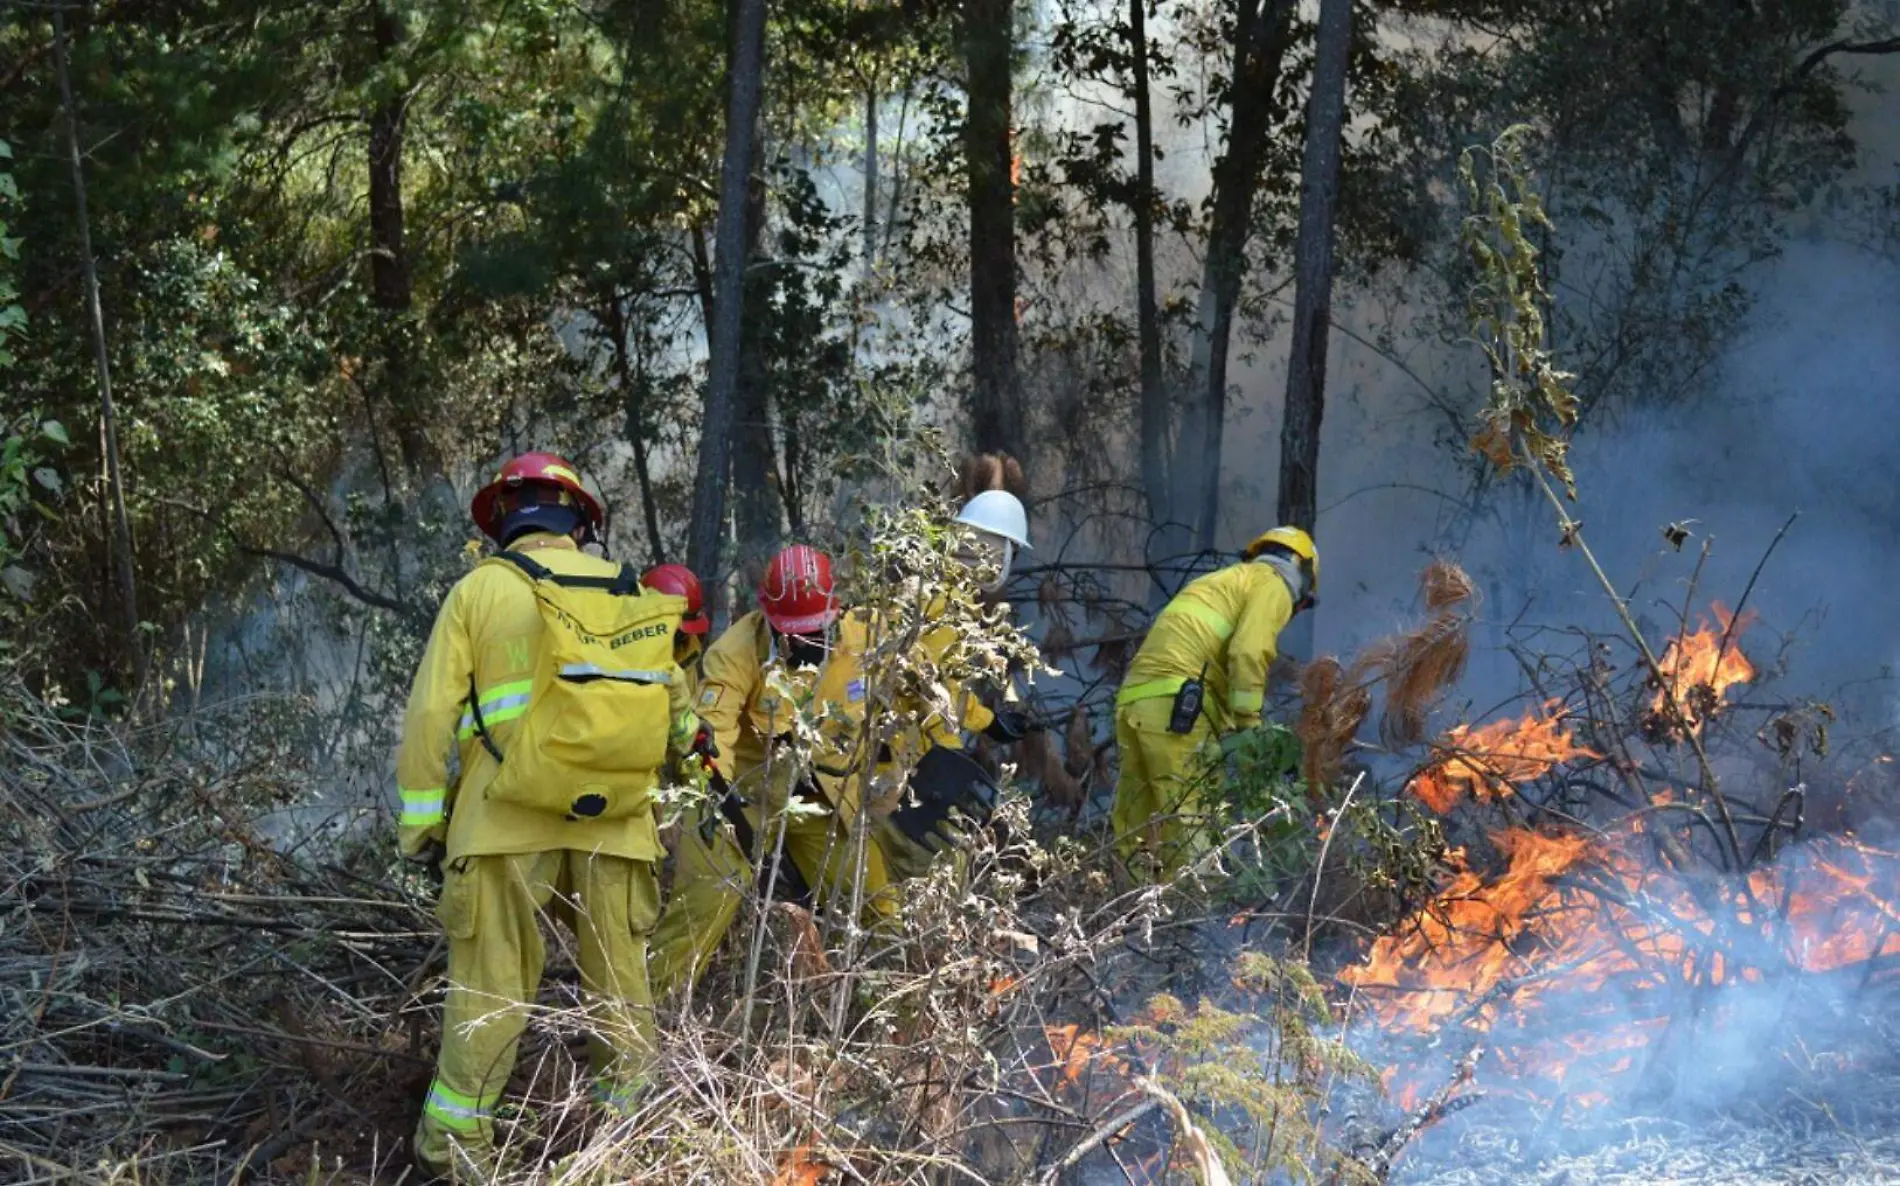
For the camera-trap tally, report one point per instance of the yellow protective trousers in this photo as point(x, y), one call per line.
point(711, 880)
point(1163, 789)
point(491, 908)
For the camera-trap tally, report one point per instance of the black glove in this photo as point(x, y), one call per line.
point(703, 746)
point(1011, 724)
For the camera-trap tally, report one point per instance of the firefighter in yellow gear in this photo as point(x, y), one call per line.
point(1217, 638)
point(689, 642)
point(754, 680)
point(794, 653)
point(999, 528)
point(505, 863)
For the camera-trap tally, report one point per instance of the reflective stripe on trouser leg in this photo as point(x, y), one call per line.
point(461, 1114)
point(709, 883)
point(490, 908)
point(616, 904)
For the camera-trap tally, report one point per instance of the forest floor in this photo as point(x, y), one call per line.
point(1847, 1135)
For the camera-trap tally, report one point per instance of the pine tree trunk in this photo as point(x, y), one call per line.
point(391, 288)
point(1313, 263)
point(995, 400)
point(870, 179)
point(633, 395)
point(1154, 395)
point(745, 92)
point(754, 454)
point(1262, 35)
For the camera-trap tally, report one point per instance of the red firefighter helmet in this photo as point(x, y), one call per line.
point(540, 469)
point(679, 580)
point(796, 594)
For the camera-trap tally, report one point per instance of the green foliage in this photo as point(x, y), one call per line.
point(1530, 406)
point(12, 315)
point(1259, 1072)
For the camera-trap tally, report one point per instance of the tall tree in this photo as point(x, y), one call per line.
point(391, 287)
point(124, 559)
point(1262, 34)
point(1154, 394)
point(1313, 268)
point(996, 413)
point(745, 87)
point(754, 452)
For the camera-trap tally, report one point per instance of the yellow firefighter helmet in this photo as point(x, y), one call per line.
point(1295, 541)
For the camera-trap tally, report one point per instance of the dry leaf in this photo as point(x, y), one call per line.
point(1207, 1163)
point(1078, 743)
point(800, 1168)
point(806, 951)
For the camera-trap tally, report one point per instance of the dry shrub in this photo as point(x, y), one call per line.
point(1415, 666)
point(1078, 743)
point(1038, 760)
point(990, 471)
point(176, 987)
point(1333, 704)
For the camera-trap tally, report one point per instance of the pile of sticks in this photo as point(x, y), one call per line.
point(180, 996)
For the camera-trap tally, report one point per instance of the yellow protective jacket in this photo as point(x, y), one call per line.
point(1227, 625)
point(489, 630)
point(745, 714)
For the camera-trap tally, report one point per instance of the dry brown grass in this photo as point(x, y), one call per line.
point(1414, 667)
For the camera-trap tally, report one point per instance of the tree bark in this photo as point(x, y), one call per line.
point(745, 80)
point(1154, 396)
point(108, 413)
point(996, 418)
point(1261, 37)
point(391, 288)
point(633, 396)
point(870, 179)
point(754, 456)
point(1313, 268)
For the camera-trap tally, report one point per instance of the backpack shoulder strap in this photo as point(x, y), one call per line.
point(535, 570)
point(625, 583)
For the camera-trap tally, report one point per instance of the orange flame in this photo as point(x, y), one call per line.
point(1489, 762)
point(1462, 945)
point(800, 1168)
point(1700, 666)
point(1075, 1049)
point(1571, 914)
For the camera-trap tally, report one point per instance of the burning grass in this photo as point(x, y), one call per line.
point(1598, 962)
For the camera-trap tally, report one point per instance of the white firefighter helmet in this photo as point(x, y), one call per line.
point(998, 513)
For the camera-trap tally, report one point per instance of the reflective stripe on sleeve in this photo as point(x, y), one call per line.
point(1149, 689)
point(503, 702)
point(422, 808)
point(1246, 701)
point(462, 1113)
point(685, 726)
point(1222, 628)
